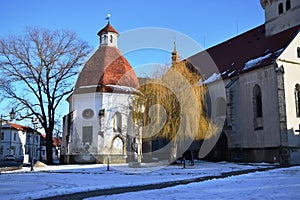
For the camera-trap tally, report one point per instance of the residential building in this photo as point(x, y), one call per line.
point(19, 140)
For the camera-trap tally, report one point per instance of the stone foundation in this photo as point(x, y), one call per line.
point(92, 159)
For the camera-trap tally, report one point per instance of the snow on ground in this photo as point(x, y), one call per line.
point(275, 184)
point(66, 179)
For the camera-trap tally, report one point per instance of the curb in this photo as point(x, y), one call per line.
point(119, 190)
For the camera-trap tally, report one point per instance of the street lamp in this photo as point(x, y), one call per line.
point(1, 118)
point(34, 121)
point(12, 115)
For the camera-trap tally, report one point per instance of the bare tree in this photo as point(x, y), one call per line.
point(37, 73)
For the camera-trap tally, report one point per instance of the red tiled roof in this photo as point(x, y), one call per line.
point(105, 67)
point(107, 28)
point(19, 127)
point(56, 141)
point(231, 56)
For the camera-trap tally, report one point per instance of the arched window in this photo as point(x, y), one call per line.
point(111, 38)
point(105, 39)
point(257, 102)
point(288, 5)
point(280, 8)
point(257, 108)
point(117, 122)
point(297, 99)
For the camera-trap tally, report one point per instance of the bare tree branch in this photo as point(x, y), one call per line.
point(37, 70)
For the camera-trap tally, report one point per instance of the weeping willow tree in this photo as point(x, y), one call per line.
point(174, 109)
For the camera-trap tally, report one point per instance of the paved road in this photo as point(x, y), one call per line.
point(118, 190)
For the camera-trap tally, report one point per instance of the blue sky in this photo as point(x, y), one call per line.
point(206, 22)
point(215, 21)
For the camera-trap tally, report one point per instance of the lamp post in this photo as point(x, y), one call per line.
point(12, 115)
point(34, 121)
point(1, 118)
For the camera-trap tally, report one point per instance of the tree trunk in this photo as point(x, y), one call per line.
point(49, 145)
point(173, 152)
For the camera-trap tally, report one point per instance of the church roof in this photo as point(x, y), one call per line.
point(243, 53)
point(107, 28)
point(105, 68)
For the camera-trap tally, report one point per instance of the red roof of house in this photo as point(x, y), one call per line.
point(105, 67)
point(18, 126)
point(233, 56)
point(106, 29)
point(56, 141)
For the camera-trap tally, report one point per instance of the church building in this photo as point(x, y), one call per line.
point(259, 76)
point(260, 70)
point(99, 126)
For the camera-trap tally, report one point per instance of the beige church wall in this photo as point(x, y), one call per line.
point(243, 109)
point(291, 64)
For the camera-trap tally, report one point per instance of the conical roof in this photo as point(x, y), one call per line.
point(105, 68)
point(107, 28)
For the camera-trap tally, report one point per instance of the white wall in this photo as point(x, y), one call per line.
point(291, 64)
point(103, 132)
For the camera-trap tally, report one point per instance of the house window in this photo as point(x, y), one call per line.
point(15, 136)
point(297, 99)
point(2, 136)
point(111, 38)
point(298, 52)
point(280, 8)
point(117, 122)
point(20, 150)
point(87, 134)
point(1, 151)
point(288, 5)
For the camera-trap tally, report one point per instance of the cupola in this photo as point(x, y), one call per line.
point(108, 36)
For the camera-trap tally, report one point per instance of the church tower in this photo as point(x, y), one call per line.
point(280, 15)
point(175, 57)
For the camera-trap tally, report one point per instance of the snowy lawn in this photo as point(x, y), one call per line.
point(66, 179)
point(275, 184)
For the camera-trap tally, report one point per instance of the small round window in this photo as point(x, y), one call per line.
point(87, 113)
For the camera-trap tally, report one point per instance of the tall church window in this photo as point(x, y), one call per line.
point(280, 8)
point(288, 5)
point(298, 52)
point(257, 101)
point(257, 107)
point(117, 122)
point(111, 38)
point(297, 99)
